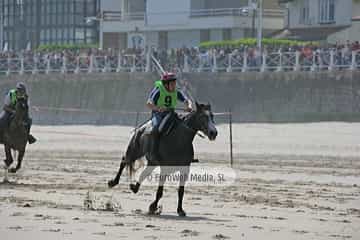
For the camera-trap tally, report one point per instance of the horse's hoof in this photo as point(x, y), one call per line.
point(111, 184)
point(6, 181)
point(13, 170)
point(181, 213)
point(153, 209)
point(134, 187)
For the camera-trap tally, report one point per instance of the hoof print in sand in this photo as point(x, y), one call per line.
point(220, 237)
point(187, 233)
point(16, 228)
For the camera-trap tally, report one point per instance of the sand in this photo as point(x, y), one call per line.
point(289, 181)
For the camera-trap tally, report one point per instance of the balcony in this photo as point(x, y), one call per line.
point(220, 12)
point(285, 1)
point(118, 16)
point(118, 21)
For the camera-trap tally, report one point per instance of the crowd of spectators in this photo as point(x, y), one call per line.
point(181, 58)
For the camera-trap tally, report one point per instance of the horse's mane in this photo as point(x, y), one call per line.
point(186, 116)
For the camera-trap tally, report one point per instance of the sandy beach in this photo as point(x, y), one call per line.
point(289, 181)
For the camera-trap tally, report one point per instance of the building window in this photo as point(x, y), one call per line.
point(304, 12)
point(326, 11)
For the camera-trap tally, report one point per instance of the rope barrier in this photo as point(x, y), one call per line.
point(84, 110)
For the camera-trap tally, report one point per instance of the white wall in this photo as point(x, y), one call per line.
point(152, 38)
point(355, 9)
point(352, 34)
point(159, 12)
point(111, 5)
point(136, 5)
point(178, 39)
point(343, 12)
point(237, 33)
point(211, 4)
point(216, 35)
point(182, 30)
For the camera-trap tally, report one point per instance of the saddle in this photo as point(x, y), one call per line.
point(167, 124)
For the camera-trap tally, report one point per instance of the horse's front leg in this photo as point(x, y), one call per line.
point(9, 159)
point(19, 161)
point(159, 193)
point(144, 174)
point(184, 174)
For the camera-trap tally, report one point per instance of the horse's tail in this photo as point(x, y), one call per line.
point(133, 151)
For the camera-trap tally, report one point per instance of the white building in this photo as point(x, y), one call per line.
point(177, 23)
point(317, 19)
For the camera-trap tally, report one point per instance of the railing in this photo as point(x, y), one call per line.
point(273, 61)
point(215, 12)
point(118, 16)
point(219, 12)
point(202, 62)
point(112, 16)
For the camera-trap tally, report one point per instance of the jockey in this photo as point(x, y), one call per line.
point(162, 100)
point(9, 109)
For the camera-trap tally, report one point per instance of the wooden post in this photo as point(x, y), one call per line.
point(231, 139)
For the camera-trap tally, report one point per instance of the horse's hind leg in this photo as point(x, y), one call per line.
point(115, 181)
point(19, 161)
point(144, 174)
point(9, 159)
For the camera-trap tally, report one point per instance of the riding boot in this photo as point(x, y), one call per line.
point(154, 150)
point(31, 139)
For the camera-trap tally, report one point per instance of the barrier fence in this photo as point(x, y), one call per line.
point(325, 60)
point(134, 118)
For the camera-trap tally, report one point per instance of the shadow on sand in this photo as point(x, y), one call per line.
point(8, 183)
point(187, 218)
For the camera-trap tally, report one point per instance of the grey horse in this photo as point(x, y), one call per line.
point(176, 152)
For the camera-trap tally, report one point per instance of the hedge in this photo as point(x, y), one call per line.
point(253, 42)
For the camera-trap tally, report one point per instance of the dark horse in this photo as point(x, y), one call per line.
point(15, 136)
point(175, 152)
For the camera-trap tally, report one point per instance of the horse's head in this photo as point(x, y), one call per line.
point(204, 120)
point(21, 107)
